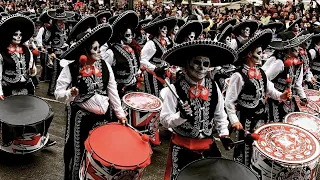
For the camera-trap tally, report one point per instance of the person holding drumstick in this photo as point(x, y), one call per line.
point(88, 83)
point(248, 88)
point(195, 104)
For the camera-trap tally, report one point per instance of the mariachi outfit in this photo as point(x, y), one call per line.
point(192, 138)
point(152, 51)
point(97, 88)
point(253, 25)
point(141, 35)
point(278, 73)
point(16, 61)
point(245, 97)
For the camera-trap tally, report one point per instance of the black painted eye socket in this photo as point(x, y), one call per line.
point(206, 64)
point(127, 35)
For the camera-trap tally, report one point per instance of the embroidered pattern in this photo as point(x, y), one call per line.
point(21, 69)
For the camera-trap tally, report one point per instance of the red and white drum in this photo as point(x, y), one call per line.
point(285, 152)
point(312, 107)
point(313, 95)
point(144, 113)
point(114, 152)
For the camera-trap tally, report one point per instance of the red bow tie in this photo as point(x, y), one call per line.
point(12, 49)
point(199, 91)
point(253, 73)
point(163, 42)
point(89, 71)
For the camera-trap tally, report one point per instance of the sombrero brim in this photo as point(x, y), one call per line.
point(153, 27)
point(102, 14)
point(185, 30)
point(293, 24)
point(13, 23)
point(143, 22)
point(227, 31)
point(276, 25)
point(44, 18)
point(128, 17)
point(219, 54)
point(222, 26)
point(205, 24)
point(1, 9)
point(67, 14)
point(316, 37)
point(263, 38)
point(82, 26)
point(252, 24)
point(180, 22)
point(101, 33)
point(294, 42)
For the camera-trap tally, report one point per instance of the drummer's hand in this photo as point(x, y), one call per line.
point(53, 56)
point(74, 91)
point(237, 126)
point(313, 80)
point(32, 70)
point(287, 94)
point(226, 142)
point(303, 102)
point(2, 97)
point(123, 120)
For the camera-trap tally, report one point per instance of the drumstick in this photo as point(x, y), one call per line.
point(144, 137)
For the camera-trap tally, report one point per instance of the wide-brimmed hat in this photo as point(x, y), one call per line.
point(103, 13)
point(222, 26)
point(292, 24)
point(287, 40)
point(263, 39)
point(82, 26)
point(253, 25)
point(1, 9)
point(44, 18)
point(100, 33)
point(129, 18)
point(141, 23)
point(180, 22)
point(60, 13)
point(226, 32)
point(316, 35)
point(4, 15)
point(205, 24)
point(185, 30)
point(219, 53)
point(277, 25)
point(153, 26)
point(13, 23)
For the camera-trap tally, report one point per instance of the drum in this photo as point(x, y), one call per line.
point(24, 124)
point(113, 152)
point(312, 107)
point(313, 95)
point(215, 169)
point(143, 111)
point(285, 151)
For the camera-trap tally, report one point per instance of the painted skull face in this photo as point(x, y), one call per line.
point(296, 28)
point(164, 31)
point(192, 36)
point(198, 67)
point(246, 32)
point(103, 20)
point(228, 41)
point(274, 30)
point(95, 51)
point(257, 55)
point(127, 37)
point(308, 43)
point(17, 37)
point(88, 30)
point(295, 51)
point(176, 29)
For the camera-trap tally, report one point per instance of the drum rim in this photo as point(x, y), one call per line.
point(318, 92)
point(113, 164)
point(220, 158)
point(286, 117)
point(288, 163)
point(142, 110)
point(50, 113)
point(318, 107)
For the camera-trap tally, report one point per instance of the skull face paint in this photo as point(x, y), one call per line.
point(257, 55)
point(164, 31)
point(17, 37)
point(246, 32)
point(103, 20)
point(228, 41)
point(127, 37)
point(274, 30)
point(308, 43)
point(295, 51)
point(198, 67)
point(175, 29)
point(192, 36)
point(296, 28)
point(95, 51)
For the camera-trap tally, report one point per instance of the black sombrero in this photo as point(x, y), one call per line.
point(153, 26)
point(82, 26)
point(129, 18)
point(141, 23)
point(222, 26)
point(13, 23)
point(263, 39)
point(180, 22)
point(277, 25)
point(205, 24)
point(1, 9)
point(60, 13)
point(226, 32)
point(287, 40)
point(253, 25)
point(44, 18)
point(100, 33)
point(292, 24)
point(4, 15)
point(218, 53)
point(103, 13)
point(185, 30)
point(316, 35)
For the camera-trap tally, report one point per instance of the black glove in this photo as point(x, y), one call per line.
point(160, 71)
point(226, 142)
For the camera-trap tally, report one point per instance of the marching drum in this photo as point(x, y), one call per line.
point(311, 108)
point(144, 113)
point(313, 95)
point(216, 169)
point(114, 152)
point(285, 152)
point(304, 120)
point(24, 123)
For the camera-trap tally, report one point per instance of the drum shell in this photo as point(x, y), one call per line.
point(263, 166)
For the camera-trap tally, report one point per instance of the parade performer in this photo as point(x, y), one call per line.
point(173, 32)
point(153, 50)
point(314, 52)
point(188, 32)
point(274, 26)
point(141, 35)
point(103, 16)
point(89, 85)
point(245, 97)
point(193, 120)
point(87, 23)
point(244, 31)
point(294, 27)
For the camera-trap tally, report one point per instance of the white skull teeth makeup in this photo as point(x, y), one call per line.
point(296, 27)
point(192, 36)
point(128, 36)
point(199, 67)
point(103, 20)
point(246, 32)
point(17, 37)
point(228, 41)
point(164, 31)
point(257, 55)
point(308, 43)
point(176, 29)
point(95, 51)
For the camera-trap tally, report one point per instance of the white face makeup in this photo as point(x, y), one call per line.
point(192, 36)
point(88, 30)
point(95, 51)
point(296, 28)
point(257, 55)
point(228, 41)
point(198, 67)
point(103, 20)
point(164, 31)
point(295, 51)
point(274, 30)
point(308, 43)
point(17, 37)
point(246, 32)
point(127, 37)
point(176, 29)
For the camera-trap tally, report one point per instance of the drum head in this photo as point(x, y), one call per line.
point(312, 108)
point(119, 145)
point(142, 101)
point(216, 169)
point(313, 95)
point(23, 110)
point(287, 144)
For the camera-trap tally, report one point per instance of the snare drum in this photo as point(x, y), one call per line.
point(25, 120)
point(312, 107)
point(285, 151)
point(113, 152)
point(144, 113)
point(216, 169)
point(313, 95)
